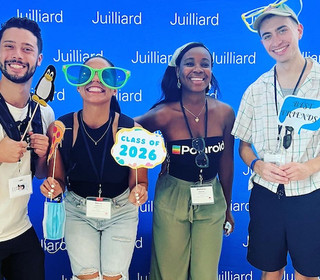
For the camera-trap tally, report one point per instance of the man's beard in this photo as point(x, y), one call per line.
point(14, 78)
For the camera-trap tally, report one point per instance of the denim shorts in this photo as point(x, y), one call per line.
point(100, 245)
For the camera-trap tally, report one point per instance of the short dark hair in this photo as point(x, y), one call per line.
point(23, 23)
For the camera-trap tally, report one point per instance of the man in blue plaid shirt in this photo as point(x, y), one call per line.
point(278, 128)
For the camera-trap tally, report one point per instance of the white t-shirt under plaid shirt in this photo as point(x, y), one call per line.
point(257, 123)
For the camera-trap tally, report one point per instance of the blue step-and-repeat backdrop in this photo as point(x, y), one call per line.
point(141, 36)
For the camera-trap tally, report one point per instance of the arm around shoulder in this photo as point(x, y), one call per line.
point(154, 119)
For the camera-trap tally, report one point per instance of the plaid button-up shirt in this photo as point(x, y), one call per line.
point(257, 123)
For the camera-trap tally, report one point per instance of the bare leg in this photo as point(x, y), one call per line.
point(275, 275)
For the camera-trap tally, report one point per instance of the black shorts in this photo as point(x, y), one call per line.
point(280, 224)
point(22, 257)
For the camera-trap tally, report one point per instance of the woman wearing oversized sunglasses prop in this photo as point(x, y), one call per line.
point(102, 196)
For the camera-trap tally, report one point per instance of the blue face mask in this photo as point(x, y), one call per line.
point(54, 218)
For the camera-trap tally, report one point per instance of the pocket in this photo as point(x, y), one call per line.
point(121, 203)
point(122, 199)
point(162, 184)
point(73, 202)
point(220, 194)
point(169, 193)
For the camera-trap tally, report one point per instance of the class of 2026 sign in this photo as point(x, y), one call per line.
point(137, 147)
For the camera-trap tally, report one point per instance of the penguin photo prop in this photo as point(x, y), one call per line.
point(43, 93)
point(44, 90)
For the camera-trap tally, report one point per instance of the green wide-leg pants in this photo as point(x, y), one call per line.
point(187, 239)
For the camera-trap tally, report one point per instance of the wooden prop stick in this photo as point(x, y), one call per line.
point(53, 171)
point(137, 195)
point(29, 123)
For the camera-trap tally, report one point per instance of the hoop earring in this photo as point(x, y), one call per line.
point(210, 86)
point(178, 83)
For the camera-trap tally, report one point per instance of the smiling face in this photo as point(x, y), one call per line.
point(19, 55)
point(280, 36)
point(95, 92)
point(194, 70)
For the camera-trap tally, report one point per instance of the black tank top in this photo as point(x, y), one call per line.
point(82, 178)
point(182, 159)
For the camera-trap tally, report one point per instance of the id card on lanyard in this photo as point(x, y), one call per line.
point(20, 186)
point(202, 194)
point(97, 207)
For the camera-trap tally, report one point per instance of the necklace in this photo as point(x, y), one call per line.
point(196, 117)
point(86, 132)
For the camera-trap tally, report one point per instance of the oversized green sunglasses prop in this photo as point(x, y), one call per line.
point(80, 75)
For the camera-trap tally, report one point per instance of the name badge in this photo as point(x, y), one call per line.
point(274, 158)
point(202, 194)
point(98, 207)
point(20, 186)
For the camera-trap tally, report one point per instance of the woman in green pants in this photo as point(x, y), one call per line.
point(193, 192)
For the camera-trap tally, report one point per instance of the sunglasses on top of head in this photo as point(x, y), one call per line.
point(81, 74)
point(250, 17)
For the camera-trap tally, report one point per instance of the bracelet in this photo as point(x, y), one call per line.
point(253, 163)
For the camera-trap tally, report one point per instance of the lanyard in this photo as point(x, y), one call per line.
point(95, 169)
point(190, 132)
point(293, 93)
point(187, 123)
point(295, 88)
point(22, 125)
